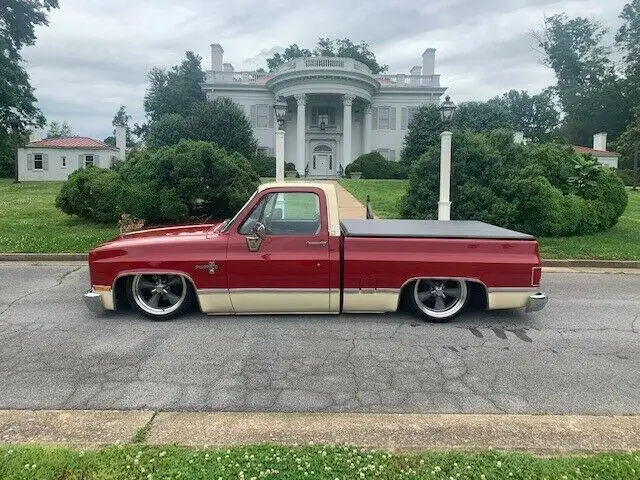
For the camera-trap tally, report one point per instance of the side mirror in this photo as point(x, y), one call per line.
point(260, 231)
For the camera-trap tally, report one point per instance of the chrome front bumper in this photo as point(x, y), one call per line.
point(536, 302)
point(93, 301)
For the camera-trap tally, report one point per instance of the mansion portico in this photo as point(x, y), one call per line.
point(337, 109)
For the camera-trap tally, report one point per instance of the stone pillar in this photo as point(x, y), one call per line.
point(444, 205)
point(301, 126)
point(366, 134)
point(346, 137)
point(121, 141)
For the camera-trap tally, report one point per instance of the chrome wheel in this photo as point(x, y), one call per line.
point(159, 295)
point(440, 299)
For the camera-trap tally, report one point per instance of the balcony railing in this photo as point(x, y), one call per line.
point(399, 80)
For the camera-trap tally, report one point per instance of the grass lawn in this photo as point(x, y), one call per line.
point(385, 194)
point(313, 462)
point(622, 242)
point(30, 222)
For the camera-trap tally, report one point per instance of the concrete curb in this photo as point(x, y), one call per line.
point(62, 257)
point(542, 434)
point(43, 257)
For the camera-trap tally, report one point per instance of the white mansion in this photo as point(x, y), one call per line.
point(337, 109)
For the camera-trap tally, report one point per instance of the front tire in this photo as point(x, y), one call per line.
point(158, 296)
point(438, 300)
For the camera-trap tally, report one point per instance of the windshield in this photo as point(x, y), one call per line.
point(228, 223)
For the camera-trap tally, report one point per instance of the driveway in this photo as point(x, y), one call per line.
point(579, 355)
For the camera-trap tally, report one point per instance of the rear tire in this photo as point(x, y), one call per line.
point(437, 300)
point(159, 296)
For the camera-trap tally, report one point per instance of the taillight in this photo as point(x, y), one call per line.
point(536, 274)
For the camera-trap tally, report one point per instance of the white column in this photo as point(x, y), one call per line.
point(366, 134)
point(301, 160)
point(444, 205)
point(279, 155)
point(346, 137)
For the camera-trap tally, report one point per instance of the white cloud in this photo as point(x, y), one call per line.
point(94, 56)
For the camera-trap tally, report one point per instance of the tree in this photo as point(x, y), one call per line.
point(18, 110)
point(588, 87)
point(535, 115)
point(483, 116)
point(291, 52)
point(177, 90)
point(327, 47)
point(628, 39)
point(224, 123)
point(57, 130)
point(423, 132)
point(121, 118)
point(167, 130)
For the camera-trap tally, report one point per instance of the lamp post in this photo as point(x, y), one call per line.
point(14, 141)
point(281, 110)
point(447, 111)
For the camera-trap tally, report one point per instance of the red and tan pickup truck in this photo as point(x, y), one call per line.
point(287, 251)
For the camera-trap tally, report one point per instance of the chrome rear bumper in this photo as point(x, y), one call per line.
point(93, 301)
point(536, 302)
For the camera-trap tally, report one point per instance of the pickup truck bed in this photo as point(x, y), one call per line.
point(428, 229)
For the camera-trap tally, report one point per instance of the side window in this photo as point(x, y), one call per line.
point(286, 213)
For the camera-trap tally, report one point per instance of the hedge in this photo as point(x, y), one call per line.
point(544, 190)
point(374, 166)
point(190, 180)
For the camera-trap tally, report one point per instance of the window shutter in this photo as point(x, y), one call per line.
point(96, 160)
point(374, 118)
point(271, 115)
point(80, 161)
point(392, 118)
point(405, 118)
point(30, 161)
point(254, 116)
point(45, 161)
point(392, 155)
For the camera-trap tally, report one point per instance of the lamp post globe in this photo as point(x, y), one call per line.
point(447, 111)
point(280, 106)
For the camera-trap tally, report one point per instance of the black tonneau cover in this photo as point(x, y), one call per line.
point(428, 229)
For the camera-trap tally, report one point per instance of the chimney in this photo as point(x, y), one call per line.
point(216, 57)
point(36, 135)
point(600, 141)
point(416, 70)
point(429, 61)
point(121, 141)
point(518, 138)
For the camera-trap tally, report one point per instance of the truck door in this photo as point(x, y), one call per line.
point(286, 267)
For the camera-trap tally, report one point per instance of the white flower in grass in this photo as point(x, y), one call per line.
point(499, 463)
point(437, 468)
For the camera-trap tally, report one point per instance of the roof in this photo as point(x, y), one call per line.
point(596, 153)
point(84, 143)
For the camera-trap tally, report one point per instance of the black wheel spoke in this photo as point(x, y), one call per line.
point(172, 297)
point(439, 305)
point(154, 301)
point(146, 284)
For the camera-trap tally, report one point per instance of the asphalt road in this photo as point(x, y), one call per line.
point(580, 355)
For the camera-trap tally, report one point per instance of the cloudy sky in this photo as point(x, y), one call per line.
point(95, 54)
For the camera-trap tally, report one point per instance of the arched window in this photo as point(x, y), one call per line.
point(322, 149)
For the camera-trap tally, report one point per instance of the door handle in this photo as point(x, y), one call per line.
point(321, 243)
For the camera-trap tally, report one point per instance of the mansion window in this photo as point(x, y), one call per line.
point(63, 161)
point(383, 118)
point(88, 161)
point(262, 112)
point(37, 161)
point(388, 154)
point(320, 114)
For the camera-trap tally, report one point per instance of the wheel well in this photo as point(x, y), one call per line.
point(121, 301)
point(477, 292)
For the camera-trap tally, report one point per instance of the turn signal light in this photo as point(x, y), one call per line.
point(536, 274)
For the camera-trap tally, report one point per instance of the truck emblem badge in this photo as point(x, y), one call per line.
point(211, 266)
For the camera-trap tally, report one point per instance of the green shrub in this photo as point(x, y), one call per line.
point(626, 175)
point(92, 193)
point(194, 180)
point(190, 180)
point(264, 166)
point(545, 190)
point(374, 166)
